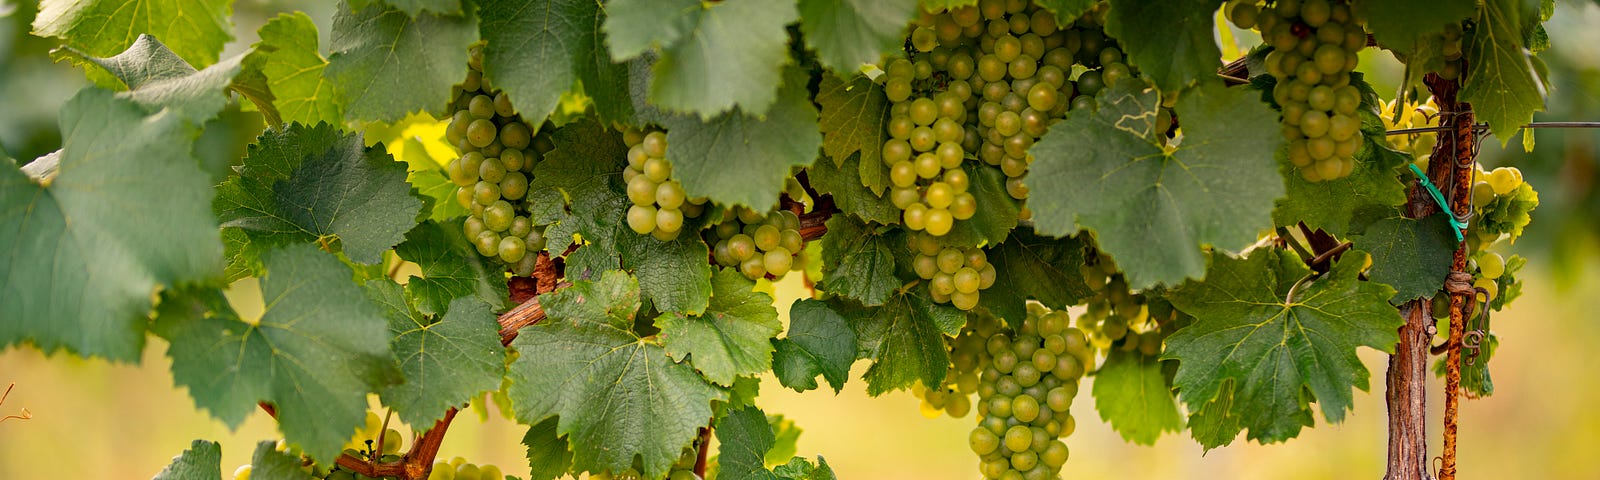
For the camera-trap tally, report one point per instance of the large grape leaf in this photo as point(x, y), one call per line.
point(1413, 256)
point(289, 58)
point(447, 359)
point(538, 50)
point(1501, 81)
point(390, 64)
point(674, 275)
point(123, 212)
point(652, 407)
point(849, 33)
point(577, 188)
point(1374, 188)
point(415, 7)
point(1132, 395)
point(269, 463)
point(738, 158)
point(905, 340)
point(1171, 42)
point(201, 461)
point(315, 353)
point(314, 184)
point(1066, 11)
point(1032, 266)
point(451, 269)
point(734, 335)
point(819, 342)
point(852, 119)
point(714, 56)
point(1153, 209)
point(1283, 338)
point(157, 78)
point(549, 457)
point(858, 261)
point(197, 29)
point(1399, 23)
point(849, 192)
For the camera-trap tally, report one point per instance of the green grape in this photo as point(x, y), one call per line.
point(966, 280)
point(925, 266)
point(669, 220)
point(464, 171)
point(655, 144)
point(391, 441)
point(498, 216)
point(642, 191)
point(642, 219)
point(753, 268)
point(950, 260)
point(657, 169)
point(481, 132)
point(741, 247)
point(767, 237)
point(1491, 265)
point(514, 186)
point(924, 111)
point(481, 106)
point(515, 135)
point(777, 262)
point(512, 248)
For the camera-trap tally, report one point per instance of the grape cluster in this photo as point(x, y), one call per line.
point(659, 204)
point(967, 358)
point(458, 469)
point(1025, 393)
point(1314, 50)
point(498, 151)
point(1114, 313)
point(954, 275)
point(1412, 115)
point(759, 245)
point(924, 154)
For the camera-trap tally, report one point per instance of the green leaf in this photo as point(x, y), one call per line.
point(585, 167)
point(905, 340)
point(124, 211)
point(447, 361)
point(652, 406)
point(196, 28)
point(848, 33)
point(1413, 256)
point(852, 119)
point(714, 56)
point(1133, 396)
point(1212, 425)
point(1171, 42)
point(819, 342)
point(549, 457)
point(158, 78)
point(1509, 214)
point(844, 184)
point(858, 261)
point(674, 275)
point(786, 438)
point(1283, 338)
point(1475, 378)
point(289, 57)
point(935, 5)
point(1032, 266)
point(304, 184)
point(1067, 11)
point(1152, 210)
point(1399, 23)
point(732, 338)
point(451, 269)
point(744, 439)
point(802, 469)
point(416, 7)
point(316, 352)
point(1374, 188)
point(390, 64)
point(537, 52)
point(202, 460)
point(740, 159)
point(1501, 82)
point(269, 463)
point(997, 211)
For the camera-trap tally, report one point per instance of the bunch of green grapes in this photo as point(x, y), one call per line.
point(498, 151)
point(659, 204)
point(967, 358)
point(924, 155)
point(1314, 50)
point(1114, 312)
point(1025, 394)
point(364, 443)
point(1503, 202)
point(458, 469)
point(1412, 115)
point(954, 275)
point(758, 244)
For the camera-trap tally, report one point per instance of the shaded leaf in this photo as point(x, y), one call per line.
point(390, 64)
point(1501, 82)
point(202, 460)
point(849, 193)
point(1171, 42)
point(451, 269)
point(196, 28)
point(1029, 266)
point(819, 342)
point(537, 51)
point(740, 159)
point(853, 118)
point(548, 455)
point(849, 33)
point(858, 261)
point(1413, 256)
point(714, 56)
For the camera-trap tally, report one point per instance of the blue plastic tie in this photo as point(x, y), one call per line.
point(1438, 197)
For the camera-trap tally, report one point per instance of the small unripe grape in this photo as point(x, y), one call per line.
point(669, 220)
point(642, 218)
point(481, 132)
point(657, 169)
point(777, 262)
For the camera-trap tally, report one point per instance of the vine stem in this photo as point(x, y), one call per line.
point(1458, 147)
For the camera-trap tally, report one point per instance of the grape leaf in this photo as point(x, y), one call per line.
point(1133, 396)
point(157, 78)
point(732, 338)
point(852, 119)
point(316, 352)
point(1171, 42)
point(1399, 23)
point(1501, 82)
point(786, 438)
point(740, 159)
point(1213, 425)
point(802, 469)
point(549, 457)
point(196, 28)
point(714, 56)
point(1509, 214)
point(935, 5)
point(269, 463)
point(858, 261)
point(1281, 354)
point(1413, 256)
point(1153, 210)
point(586, 167)
point(997, 211)
point(1372, 189)
point(451, 269)
point(819, 342)
point(289, 58)
point(1032, 266)
point(905, 340)
point(744, 437)
point(849, 33)
point(652, 406)
point(312, 184)
point(674, 275)
point(1475, 378)
point(202, 460)
point(447, 360)
point(390, 64)
point(123, 212)
point(1067, 11)
point(415, 7)
point(849, 193)
point(536, 52)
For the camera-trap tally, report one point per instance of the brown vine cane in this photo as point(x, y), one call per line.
point(1458, 144)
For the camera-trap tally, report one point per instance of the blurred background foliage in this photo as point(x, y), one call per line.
point(92, 419)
